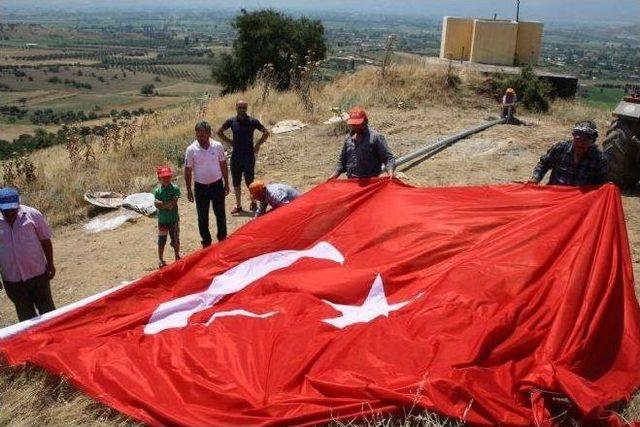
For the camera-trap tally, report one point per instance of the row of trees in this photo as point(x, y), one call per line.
point(42, 139)
point(48, 116)
point(13, 111)
point(79, 85)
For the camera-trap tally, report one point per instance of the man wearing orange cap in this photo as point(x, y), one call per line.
point(274, 195)
point(365, 150)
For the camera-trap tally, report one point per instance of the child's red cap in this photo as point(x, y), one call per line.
point(164, 172)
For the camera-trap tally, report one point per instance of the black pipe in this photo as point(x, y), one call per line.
point(432, 149)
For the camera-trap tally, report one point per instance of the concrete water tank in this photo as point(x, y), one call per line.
point(456, 38)
point(528, 43)
point(494, 42)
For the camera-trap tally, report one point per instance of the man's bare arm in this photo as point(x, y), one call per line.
point(223, 137)
point(265, 135)
point(187, 180)
point(225, 176)
point(47, 248)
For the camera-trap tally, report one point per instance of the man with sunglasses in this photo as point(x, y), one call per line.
point(243, 157)
point(578, 162)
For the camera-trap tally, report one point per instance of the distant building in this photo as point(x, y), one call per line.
point(30, 45)
point(496, 42)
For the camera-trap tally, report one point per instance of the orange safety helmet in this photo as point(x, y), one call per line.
point(257, 190)
point(511, 90)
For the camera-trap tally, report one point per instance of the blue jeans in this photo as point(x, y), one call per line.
point(205, 195)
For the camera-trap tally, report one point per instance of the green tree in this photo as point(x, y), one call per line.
point(147, 90)
point(268, 37)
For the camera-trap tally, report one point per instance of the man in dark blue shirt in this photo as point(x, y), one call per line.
point(243, 159)
point(578, 162)
point(364, 150)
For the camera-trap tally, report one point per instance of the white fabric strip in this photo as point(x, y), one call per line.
point(12, 330)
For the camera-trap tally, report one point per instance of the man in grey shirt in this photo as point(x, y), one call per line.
point(364, 150)
point(274, 195)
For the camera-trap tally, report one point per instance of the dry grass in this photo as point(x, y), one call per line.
point(423, 419)
point(46, 400)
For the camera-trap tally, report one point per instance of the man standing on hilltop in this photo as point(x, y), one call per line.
point(26, 256)
point(364, 150)
point(243, 157)
point(206, 162)
point(578, 162)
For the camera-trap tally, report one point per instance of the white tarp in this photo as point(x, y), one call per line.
point(143, 203)
point(337, 119)
point(287, 126)
point(110, 221)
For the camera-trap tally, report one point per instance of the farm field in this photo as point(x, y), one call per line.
point(602, 97)
point(66, 71)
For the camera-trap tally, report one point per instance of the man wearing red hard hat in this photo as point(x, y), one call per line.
point(365, 150)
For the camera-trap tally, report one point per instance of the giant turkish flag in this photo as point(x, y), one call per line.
point(481, 303)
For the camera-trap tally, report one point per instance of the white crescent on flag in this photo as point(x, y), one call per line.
point(176, 313)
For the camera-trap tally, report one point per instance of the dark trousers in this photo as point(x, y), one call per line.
point(246, 166)
point(210, 194)
point(30, 295)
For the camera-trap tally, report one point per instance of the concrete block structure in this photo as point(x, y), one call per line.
point(457, 34)
point(494, 42)
point(491, 42)
point(528, 43)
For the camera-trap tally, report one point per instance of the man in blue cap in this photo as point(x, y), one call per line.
point(26, 256)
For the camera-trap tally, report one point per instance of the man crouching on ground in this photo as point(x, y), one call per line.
point(274, 195)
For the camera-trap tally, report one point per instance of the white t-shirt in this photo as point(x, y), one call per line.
point(205, 163)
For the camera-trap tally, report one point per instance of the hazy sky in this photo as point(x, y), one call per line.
point(583, 11)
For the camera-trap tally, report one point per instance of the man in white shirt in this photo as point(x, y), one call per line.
point(26, 256)
point(206, 163)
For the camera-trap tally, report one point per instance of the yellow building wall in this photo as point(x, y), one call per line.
point(456, 38)
point(494, 42)
point(529, 42)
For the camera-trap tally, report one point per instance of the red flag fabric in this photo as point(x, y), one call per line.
point(479, 303)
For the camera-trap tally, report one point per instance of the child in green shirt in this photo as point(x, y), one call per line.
point(167, 194)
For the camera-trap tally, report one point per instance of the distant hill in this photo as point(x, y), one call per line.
point(586, 11)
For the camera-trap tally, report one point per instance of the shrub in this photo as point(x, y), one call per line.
point(147, 90)
point(533, 93)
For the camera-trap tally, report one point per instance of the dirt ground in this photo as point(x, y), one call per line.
point(89, 263)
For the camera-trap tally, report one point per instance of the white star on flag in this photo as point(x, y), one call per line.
point(374, 306)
